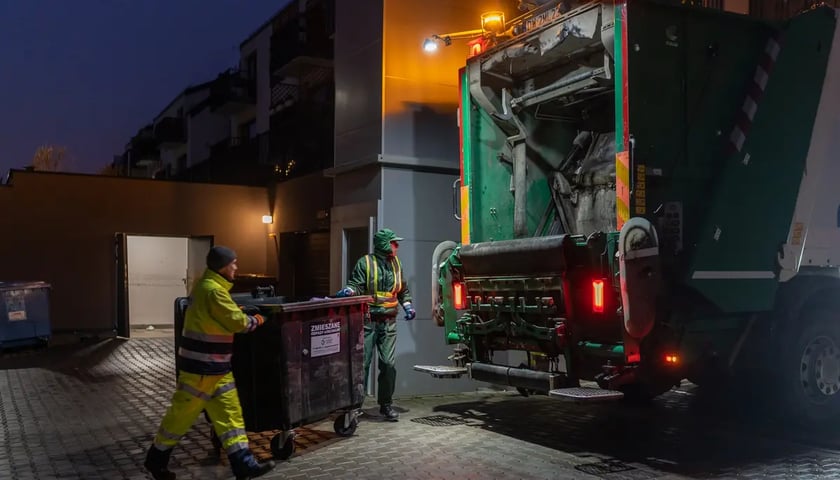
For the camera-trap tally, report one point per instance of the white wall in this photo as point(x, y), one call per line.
point(157, 272)
point(260, 43)
point(203, 130)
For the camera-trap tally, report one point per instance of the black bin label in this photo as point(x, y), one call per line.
point(325, 338)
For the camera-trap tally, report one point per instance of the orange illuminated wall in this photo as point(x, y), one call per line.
point(420, 90)
point(60, 228)
point(737, 6)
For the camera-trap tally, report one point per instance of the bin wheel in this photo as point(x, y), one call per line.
point(283, 445)
point(343, 431)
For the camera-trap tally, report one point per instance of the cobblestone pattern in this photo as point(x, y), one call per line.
point(89, 411)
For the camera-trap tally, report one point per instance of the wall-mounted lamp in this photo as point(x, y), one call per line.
point(429, 45)
point(268, 219)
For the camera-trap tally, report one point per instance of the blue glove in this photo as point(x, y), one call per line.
point(345, 292)
point(409, 311)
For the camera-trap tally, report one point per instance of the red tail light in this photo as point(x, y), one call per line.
point(459, 295)
point(598, 296)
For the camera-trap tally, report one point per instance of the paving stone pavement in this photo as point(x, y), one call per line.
point(89, 410)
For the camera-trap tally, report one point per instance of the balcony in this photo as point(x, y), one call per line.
point(301, 139)
point(290, 51)
point(232, 93)
point(171, 133)
point(292, 59)
point(233, 161)
point(143, 148)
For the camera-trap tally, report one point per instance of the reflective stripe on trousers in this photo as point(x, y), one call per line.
point(214, 393)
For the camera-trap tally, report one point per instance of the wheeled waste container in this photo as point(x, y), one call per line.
point(255, 297)
point(305, 363)
point(24, 313)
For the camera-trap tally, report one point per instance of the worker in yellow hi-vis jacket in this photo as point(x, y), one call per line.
point(380, 276)
point(205, 379)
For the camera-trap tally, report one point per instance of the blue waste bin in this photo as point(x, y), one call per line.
point(24, 313)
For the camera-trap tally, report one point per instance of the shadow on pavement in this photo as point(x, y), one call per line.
point(681, 432)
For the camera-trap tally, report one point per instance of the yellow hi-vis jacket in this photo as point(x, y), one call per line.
point(209, 325)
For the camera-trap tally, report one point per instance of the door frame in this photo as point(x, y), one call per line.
point(122, 321)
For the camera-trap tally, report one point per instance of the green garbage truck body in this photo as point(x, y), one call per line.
point(648, 194)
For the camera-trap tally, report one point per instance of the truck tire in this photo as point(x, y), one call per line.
point(811, 367)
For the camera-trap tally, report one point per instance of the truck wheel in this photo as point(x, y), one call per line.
point(812, 367)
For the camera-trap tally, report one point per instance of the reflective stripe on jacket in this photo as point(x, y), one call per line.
point(383, 298)
point(209, 325)
point(382, 278)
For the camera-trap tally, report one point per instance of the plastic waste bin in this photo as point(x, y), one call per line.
point(305, 363)
point(24, 313)
point(254, 298)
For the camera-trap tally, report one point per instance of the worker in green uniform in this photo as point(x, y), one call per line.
point(380, 276)
point(205, 379)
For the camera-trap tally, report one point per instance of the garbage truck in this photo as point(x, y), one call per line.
point(649, 192)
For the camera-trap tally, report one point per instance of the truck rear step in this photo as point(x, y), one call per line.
point(585, 394)
point(442, 371)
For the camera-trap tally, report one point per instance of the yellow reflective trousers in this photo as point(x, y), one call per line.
point(214, 393)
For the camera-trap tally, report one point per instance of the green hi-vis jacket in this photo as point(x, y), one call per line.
point(381, 277)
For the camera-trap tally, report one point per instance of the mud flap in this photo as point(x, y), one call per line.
point(640, 272)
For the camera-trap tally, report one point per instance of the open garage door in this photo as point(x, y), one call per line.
point(152, 271)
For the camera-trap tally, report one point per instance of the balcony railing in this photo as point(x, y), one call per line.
point(232, 92)
point(235, 149)
point(309, 36)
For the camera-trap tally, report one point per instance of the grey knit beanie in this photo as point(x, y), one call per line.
point(219, 257)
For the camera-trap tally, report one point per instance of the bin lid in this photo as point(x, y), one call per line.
point(317, 304)
point(22, 285)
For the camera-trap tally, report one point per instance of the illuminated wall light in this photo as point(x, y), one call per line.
point(267, 219)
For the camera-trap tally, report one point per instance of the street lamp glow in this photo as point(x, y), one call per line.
point(429, 45)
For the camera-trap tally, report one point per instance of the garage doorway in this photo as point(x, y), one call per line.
point(152, 271)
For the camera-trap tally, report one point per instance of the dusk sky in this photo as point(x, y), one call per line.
point(87, 74)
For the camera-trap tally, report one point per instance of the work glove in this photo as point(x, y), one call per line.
point(345, 292)
point(409, 311)
point(250, 310)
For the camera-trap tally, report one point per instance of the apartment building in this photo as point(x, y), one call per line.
point(268, 119)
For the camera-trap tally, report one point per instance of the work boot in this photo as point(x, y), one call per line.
point(245, 466)
point(156, 463)
point(389, 413)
